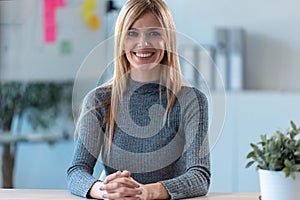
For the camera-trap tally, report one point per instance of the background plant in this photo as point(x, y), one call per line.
point(280, 152)
point(39, 104)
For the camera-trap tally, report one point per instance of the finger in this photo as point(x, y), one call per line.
point(123, 192)
point(127, 181)
point(135, 182)
point(126, 173)
point(117, 174)
point(120, 182)
point(128, 198)
point(112, 176)
point(120, 188)
point(125, 198)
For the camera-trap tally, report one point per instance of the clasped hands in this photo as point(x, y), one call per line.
point(119, 185)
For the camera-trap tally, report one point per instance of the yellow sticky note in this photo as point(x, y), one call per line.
point(86, 13)
point(90, 4)
point(94, 22)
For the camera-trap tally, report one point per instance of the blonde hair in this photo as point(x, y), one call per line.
point(171, 75)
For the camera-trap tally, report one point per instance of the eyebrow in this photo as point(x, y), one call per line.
point(150, 29)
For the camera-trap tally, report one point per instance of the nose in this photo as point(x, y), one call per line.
point(143, 42)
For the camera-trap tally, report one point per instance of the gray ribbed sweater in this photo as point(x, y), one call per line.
point(174, 152)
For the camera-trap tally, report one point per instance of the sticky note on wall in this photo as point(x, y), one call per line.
point(94, 22)
point(65, 47)
point(49, 17)
point(88, 8)
point(88, 14)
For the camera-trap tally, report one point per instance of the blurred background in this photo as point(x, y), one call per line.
point(255, 46)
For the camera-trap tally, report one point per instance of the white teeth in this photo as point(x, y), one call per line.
point(143, 55)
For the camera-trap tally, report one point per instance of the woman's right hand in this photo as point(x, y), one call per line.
point(95, 191)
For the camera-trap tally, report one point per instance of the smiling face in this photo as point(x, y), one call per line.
point(144, 47)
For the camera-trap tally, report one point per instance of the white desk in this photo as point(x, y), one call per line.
point(30, 194)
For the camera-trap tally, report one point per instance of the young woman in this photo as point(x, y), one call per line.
point(147, 127)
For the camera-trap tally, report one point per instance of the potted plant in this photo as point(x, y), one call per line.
point(277, 159)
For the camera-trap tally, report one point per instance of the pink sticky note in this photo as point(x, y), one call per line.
point(49, 16)
point(60, 3)
point(50, 34)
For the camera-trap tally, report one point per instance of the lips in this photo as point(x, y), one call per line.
point(143, 54)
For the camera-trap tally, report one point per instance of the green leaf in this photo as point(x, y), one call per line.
point(293, 125)
point(249, 164)
point(297, 167)
point(251, 155)
point(293, 175)
point(263, 138)
point(286, 172)
point(287, 163)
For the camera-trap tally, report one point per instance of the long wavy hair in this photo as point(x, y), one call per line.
point(170, 74)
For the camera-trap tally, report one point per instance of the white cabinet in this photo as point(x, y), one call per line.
point(249, 114)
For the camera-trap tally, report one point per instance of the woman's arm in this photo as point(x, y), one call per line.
point(79, 174)
point(196, 179)
point(87, 147)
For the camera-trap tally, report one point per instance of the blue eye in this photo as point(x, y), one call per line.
point(154, 33)
point(132, 33)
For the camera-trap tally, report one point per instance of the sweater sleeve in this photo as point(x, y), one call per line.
point(196, 179)
point(87, 147)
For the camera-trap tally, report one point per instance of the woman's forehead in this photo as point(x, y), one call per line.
point(147, 20)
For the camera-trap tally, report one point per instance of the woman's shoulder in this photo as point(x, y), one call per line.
point(99, 95)
point(189, 92)
point(103, 91)
point(103, 94)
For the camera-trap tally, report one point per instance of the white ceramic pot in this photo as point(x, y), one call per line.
point(275, 186)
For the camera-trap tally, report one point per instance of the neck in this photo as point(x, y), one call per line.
point(145, 76)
